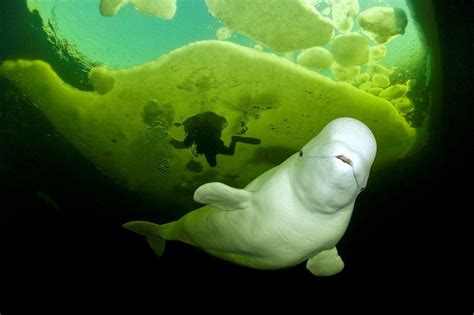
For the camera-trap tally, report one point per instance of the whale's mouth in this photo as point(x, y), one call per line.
point(348, 161)
point(344, 159)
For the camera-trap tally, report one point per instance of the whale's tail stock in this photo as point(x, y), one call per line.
point(151, 231)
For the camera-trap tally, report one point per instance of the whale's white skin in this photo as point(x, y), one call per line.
point(296, 211)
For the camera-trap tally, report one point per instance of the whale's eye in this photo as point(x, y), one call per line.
point(301, 153)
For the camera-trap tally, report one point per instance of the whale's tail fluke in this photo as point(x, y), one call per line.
point(152, 233)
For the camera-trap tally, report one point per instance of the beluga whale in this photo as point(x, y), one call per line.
point(294, 212)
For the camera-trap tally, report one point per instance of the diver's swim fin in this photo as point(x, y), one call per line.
point(151, 232)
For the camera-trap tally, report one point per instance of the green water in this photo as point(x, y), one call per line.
point(77, 29)
point(254, 88)
point(131, 46)
point(132, 38)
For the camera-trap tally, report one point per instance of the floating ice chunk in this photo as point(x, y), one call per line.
point(381, 70)
point(223, 33)
point(101, 80)
point(350, 49)
point(343, 13)
point(403, 104)
point(326, 11)
point(366, 86)
point(363, 78)
point(111, 7)
point(164, 9)
point(394, 91)
point(375, 91)
point(377, 53)
point(347, 74)
point(316, 57)
point(411, 84)
point(382, 24)
point(380, 80)
point(282, 25)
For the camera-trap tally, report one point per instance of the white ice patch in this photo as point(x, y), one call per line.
point(316, 57)
point(382, 24)
point(284, 26)
point(346, 74)
point(343, 13)
point(377, 53)
point(164, 9)
point(111, 7)
point(350, 49)
point(223, 33)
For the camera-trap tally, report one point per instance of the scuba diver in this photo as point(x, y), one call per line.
point(204, 130)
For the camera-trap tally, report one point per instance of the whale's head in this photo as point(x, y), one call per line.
point(333, 168)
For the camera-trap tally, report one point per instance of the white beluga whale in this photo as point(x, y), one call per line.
point(294, 212)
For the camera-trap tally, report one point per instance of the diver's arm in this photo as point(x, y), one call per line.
point(185, 144)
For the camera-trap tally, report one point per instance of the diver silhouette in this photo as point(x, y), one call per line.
point(204, 130)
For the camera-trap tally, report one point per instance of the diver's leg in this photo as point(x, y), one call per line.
point(325, 263)
point(211, 159)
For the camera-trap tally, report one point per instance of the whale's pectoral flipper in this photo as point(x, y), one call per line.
point(325, 263)
point(223, 196)
point(151, 232)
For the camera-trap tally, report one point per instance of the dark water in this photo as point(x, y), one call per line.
point(72, 237)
